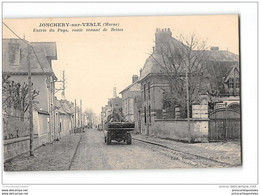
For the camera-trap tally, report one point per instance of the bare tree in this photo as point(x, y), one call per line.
point(15, 96)
point(183, 63)
point(90, 114)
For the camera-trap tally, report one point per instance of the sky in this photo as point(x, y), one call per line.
point(96, 61)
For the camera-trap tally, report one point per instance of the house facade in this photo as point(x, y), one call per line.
point(128, 98)
point(64, 120)
point(16, 57)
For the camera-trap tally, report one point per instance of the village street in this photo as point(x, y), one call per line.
point(87, 151)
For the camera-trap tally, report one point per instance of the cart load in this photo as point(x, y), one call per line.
point(116, 128)
point(118, 125)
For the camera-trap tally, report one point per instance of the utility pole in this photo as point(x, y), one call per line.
point(235, 83)
point(75, 116)
point(30, 102)
point(63, 84)
point(63, 81)
point(81, 113)
point(188, 104)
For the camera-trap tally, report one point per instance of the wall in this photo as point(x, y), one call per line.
point(18, 146)
point(39, 84)
point(177, 129)
point(65, 125)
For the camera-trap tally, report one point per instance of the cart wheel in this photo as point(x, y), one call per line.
point(108, 138)
point(129, 139)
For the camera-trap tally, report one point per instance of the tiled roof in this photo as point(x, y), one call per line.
point(221, 55)
point(16, 48)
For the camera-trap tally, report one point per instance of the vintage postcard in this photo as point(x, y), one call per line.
point(113, 93)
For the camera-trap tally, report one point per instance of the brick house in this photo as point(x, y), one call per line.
point(221, 73)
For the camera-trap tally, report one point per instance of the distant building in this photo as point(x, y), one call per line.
point(128, 98)
point(64, 120)
point(113, 103)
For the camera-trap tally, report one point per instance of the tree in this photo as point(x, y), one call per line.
point(90, 114)
point(15, 96)
point(183, 63)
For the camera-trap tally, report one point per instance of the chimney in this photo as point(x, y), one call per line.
point(214, 48)
point(114, 92)
point(140, 71)
point(134, 78)
point(162, 36)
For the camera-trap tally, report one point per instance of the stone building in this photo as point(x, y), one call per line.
point(64, 120)
point(128, 98)
point(16, 57)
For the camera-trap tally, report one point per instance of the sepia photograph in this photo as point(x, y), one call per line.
point(121, 93)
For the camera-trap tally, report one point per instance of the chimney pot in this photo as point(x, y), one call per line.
point(134, 78)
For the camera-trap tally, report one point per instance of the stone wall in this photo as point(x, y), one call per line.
point(177, 129)
point(18, 146)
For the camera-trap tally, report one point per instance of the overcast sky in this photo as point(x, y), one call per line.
point(95, 62)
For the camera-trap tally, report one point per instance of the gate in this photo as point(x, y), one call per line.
point(225, 124)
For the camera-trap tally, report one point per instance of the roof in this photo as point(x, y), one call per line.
point(152, 63)
point(64, 107)
point(49, 48)
point(15, 53)
point(221, 56)
point(221, 61)
point(151, 66)
point(135, 86)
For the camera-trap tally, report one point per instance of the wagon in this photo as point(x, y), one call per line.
point(118, 131)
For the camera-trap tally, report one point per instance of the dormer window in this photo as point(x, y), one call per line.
point(14, 54)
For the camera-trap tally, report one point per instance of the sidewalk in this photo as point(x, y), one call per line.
point(229, 152)
point(52, 157)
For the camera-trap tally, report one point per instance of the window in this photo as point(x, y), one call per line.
point(231, 83)
point(14, 54)
point(144, 115)
point(149, 113)
point(149, 94)
point(144, 92)
point(237, 83)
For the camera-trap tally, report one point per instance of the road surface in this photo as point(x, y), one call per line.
point(93, 154)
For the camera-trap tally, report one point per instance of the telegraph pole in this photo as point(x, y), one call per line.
point(63, 81)
point(188, 104)
point(81, 113)
point(30, 102)
point(63, 84)
point(75, 116)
